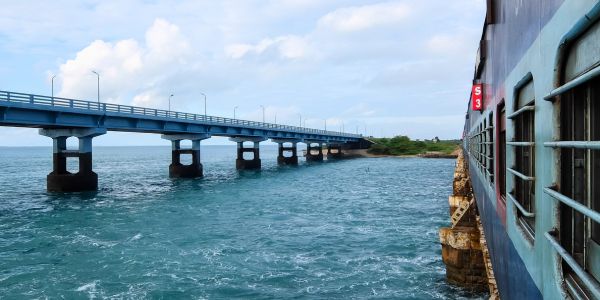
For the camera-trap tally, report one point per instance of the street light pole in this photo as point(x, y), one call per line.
point(263, 109)
point(53, 76)
point(171, 96)
point(300, 120)
point(204, 104)
point(275, 118)
point(98, 84)
point(234, 112)
point(325, 124)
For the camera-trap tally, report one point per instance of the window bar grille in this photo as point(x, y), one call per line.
point(573, 83)
point(521, 144)
point(589, 282)
point(520, 175)
point(521, 110)
point(588, 212)
point(591, 145)
point(520, 207)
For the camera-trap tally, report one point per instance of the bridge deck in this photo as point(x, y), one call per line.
point(28, 110)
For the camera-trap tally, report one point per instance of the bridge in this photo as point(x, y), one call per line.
point(61, 118)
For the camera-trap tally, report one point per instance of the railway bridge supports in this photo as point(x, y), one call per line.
point(334, 151)
point(61, 180)
point(177, 169)
point(282, 159)
point(248, 164)
point(314, 153)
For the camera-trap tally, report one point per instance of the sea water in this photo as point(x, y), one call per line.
point(350, 229)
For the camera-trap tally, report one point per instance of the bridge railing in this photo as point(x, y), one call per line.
point(59, 103)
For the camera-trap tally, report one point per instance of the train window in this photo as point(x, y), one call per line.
point(471, 149)
point(523, 192)
point(479, 150)
point(584, 54)
point(490, 147)
point(502, 151)
point(580, 176)
point(484, 152)
point(479, 142)
point(578, 187)
point(479, 146)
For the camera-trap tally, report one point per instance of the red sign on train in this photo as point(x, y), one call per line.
point(477, 96)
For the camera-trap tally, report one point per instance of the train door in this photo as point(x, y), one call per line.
point(502, 152)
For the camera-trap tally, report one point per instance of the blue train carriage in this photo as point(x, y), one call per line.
point(534, 146)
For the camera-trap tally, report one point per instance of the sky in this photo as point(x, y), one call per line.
point(380, 68)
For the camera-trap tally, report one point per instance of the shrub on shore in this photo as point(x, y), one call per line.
point(403, 145)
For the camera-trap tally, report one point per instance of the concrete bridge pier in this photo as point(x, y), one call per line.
point(314, 153)
point(61, 180)
point(248, 164)
point(334, 151)
point(176, 168)
point(293, 149)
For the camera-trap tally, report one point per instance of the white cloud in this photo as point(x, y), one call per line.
point(352, 60)
point(126, 66)
point(295, 4)
point(289, 47)
point(164, 39)
point(364, 17)
point(237, 51)
point(148, 99)
point(451, 44)
point(293, 47)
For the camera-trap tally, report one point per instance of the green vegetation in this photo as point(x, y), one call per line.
point(403, 145)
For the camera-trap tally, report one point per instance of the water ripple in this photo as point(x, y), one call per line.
point(354, 229)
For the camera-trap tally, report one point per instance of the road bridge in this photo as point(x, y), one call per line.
point(61, 118)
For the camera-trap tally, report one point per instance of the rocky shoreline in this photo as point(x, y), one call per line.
point(365, 153)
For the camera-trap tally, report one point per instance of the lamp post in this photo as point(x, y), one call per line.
point(275, 118)
point(234, 109)
point(325, 124)
point(300, 120)
point(263, 110)
point(204, 104)
point(170, 96)
point(53, 76)
point(98, 84)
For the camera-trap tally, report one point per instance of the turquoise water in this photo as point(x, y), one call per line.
point(352, 229)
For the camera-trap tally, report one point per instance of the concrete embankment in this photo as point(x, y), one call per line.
point(464, 250)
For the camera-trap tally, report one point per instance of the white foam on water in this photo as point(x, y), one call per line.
point(136, 237)
point(88, 287)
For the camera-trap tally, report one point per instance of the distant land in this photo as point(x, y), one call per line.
point(404, 146)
